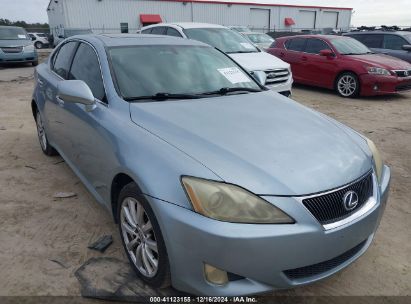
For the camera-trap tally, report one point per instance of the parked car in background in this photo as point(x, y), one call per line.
point(218, 185)
point(397, 44)
point(16, 46)
point(40, 40)
point(261, 40)
point(343, 64)
point(239, 28)
point(69, 33)
point(277, 73)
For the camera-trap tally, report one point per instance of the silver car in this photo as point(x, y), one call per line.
point(219, 186)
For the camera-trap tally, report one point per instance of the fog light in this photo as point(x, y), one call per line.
point(376, 87)
point(215, 275)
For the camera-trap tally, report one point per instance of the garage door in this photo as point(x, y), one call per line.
point(306, 20)
point(259, 19)
point(329, 19)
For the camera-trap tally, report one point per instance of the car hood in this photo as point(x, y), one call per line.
point(15, 42)
point(264, 142)
point(381, 60)
point(260, 61)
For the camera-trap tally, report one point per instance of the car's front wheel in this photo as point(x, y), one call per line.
point(38, 45)
point(142, 238)
point(41, 133)
point(348, 85)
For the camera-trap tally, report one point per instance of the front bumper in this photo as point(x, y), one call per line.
point(259, 254)
point(18, 57)
point(283, 88)
point(372, 85)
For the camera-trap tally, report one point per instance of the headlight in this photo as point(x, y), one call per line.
point(378, 71)
point(378, 162)
point(231, 203)
point(29, 48)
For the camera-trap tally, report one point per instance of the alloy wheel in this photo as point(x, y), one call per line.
point(347, 85)
point(139, 237)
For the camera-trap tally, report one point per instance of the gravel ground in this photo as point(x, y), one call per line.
point(44, 239)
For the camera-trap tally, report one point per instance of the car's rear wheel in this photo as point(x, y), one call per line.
point(38, 45)
point(41, 133)
point(142, 238)
point(348, 85)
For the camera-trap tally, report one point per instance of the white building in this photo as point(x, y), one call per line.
point(131, 15)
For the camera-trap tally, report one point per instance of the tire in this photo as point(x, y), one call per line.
point(141, 254)
point(38, 45)
point(347, 85)
point(41, 134)
point(35, 63)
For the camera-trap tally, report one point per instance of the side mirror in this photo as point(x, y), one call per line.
point(260, 76)
point(76, 91)
point(327, 53)
point(407, 47)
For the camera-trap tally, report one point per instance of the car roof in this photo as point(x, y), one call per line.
point(113, 40)
point(401, 33)
point(187, 25)
point(326, 37)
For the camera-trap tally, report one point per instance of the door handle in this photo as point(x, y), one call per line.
point(60, 101)
point(41, 82)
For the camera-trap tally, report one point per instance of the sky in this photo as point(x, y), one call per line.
point(366, 12)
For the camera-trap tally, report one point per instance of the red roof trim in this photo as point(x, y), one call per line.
point(146, 18)
point(263, 4)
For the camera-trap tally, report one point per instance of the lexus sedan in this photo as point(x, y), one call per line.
point(219, 186)
point(343, 64)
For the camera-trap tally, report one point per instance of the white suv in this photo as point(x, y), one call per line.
point(40, 40)
point(277, 72)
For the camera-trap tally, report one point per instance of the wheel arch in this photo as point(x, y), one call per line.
point(34, 108)
point(346, 71)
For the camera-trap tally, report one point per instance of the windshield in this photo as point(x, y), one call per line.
point(224, 39)
point(12, 33)
point(260, 38)
point(350, 46)
point(157, 69)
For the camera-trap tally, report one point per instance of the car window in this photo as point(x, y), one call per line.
point(372, 40)
point(86, 67)
point(394, 42)
point(315, 46)
point(146, 31)
point(173, 32)
point(295, 44)
point(160, 30)
point(62, 60)
point(224, 39)
point(169, 69)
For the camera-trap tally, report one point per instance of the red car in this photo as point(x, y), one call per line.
point(343, 64)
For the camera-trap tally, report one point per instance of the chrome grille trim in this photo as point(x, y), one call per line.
point(12, 50)
point(277, 76)
point(362, 210)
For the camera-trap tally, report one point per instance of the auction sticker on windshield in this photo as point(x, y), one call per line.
point(234, 75)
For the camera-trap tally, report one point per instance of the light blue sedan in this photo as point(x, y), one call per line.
point(219, 186)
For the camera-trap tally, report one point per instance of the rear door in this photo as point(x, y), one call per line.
point(319, 70)
point(393, 46)
point(293, 54)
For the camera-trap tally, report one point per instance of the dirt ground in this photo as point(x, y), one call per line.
point(37, 228)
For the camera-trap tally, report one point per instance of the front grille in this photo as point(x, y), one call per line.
point(329, 208)
point(403, 87)
point(316, 269)
point(17, 49)
point(277, 76)
point(403, 73)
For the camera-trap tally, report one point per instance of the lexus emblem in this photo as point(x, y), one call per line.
point(350, 200)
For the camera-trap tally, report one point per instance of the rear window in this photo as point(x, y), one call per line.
point(295, 44)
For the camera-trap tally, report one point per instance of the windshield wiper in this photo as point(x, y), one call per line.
point(224, 91)
point(162, 97)
point(242, 52)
